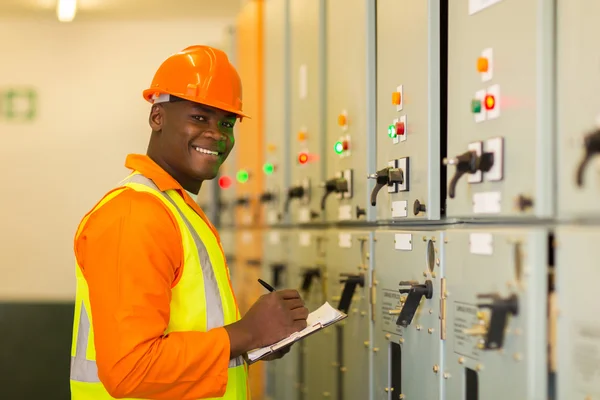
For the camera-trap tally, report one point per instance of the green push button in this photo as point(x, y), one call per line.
point(392, 131)
point(476, 106)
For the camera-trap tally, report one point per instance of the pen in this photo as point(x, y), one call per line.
point(266, 285)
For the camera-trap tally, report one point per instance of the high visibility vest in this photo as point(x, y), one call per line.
point(200, 301)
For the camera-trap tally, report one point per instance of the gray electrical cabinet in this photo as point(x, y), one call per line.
point(349, 273)
point(495, 313)
point(409, 331)
point(225, 206)
point(500, 107)
point(276, 129)
point(409, 133)
point(578, 108)
point(575, 328)
point(307, 261)
point(276, 270)
point(306, 159)
point(350, 135)
point(227, 237)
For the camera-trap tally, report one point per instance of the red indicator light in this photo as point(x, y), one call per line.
point(400, 128)
point(345, 145)
point(224, 182)
point(302, 158)
point(490, 102)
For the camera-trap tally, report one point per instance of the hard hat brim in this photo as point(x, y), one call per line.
point(150, 93)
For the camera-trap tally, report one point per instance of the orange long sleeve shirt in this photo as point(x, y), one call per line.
point(131, 255)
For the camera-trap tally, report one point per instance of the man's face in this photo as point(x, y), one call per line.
point(194, 139)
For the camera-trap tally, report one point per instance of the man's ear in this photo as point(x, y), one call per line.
point(157, 117)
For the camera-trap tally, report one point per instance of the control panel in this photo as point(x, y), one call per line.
point(348, 270)
point(308, 261)
point(350, 139)
point(307, 136)
point(409, 119)
point(500, 139)
point(410, 323)
point(574, 332)
point(277, 271)
point(276, 126)
point(578, 109)
point(495, 302)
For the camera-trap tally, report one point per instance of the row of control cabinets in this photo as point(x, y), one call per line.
point(461, 313)
point(396, 110)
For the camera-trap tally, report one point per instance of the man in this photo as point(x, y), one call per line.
point(155, 314)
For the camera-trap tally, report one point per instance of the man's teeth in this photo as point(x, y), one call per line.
point(205, 151)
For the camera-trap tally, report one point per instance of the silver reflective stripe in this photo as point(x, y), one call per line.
point(82, 369)
point(214, 312)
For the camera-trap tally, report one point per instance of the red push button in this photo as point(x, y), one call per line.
point(400, 128)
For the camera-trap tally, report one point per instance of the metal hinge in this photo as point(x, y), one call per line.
point(443, 309)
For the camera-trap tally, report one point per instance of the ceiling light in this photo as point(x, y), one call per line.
point(65, 10)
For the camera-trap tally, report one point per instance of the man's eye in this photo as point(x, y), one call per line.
point(228, 124)
point(199, 117)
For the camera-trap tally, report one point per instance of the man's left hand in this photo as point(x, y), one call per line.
point(278, 354)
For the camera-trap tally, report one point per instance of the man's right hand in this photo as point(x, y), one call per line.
point(273, 317)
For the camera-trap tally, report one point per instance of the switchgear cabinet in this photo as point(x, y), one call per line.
point(575, 347)
point(500, 108)
point(307, 261)
point(277, 271)
point(226, 196)
point(410, 326)
point(578, 108)
point(307, 98)
point(348, 269)
point(350, 131)
point(495, 304)
point(275, 165)
point(409, 118)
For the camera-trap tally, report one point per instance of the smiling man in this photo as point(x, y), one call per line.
point(155, 314)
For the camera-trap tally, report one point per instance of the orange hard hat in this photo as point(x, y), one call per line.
point(201, 74)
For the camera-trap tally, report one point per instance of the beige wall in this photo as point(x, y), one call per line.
point(89, 77)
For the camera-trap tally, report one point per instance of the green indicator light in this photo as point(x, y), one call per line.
point(476, 106)
point(339, 147)
point(392, 131)
point(268, 168)
point(242, 176)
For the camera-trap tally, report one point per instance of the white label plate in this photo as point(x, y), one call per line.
point(304, 215)
point(487, 203)
point(478, 5)
point(303, 81)
point(304, 239)
point(274, 238)
point(345, 212)
point(345, 240)
point(403, 241)
point(399, 209)
point(272, 217)
point(481, 243)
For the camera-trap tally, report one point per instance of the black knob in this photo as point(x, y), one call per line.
point(313, 214)
point(418, 207)
point(591, 145)
point(360, 212)
point(468, 162)
point(523, 203)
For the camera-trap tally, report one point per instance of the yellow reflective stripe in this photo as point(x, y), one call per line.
point(82, 369)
